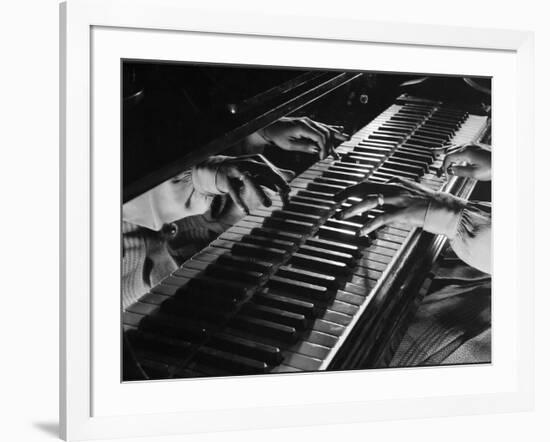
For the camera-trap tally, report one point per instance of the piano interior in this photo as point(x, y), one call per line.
point(289, 288)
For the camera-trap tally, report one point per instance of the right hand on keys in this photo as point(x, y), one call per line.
point(304, 135)
point(471, 160)
point(407, 204)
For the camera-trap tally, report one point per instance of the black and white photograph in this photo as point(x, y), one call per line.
point(280, 220)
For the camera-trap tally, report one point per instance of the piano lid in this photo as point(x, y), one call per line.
point(176, 115)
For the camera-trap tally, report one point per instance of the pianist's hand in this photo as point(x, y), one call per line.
point(303, 135)
point(244, 179)
point(472, 160)
point(405, 203)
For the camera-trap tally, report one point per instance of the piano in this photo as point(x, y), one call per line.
point(291, 288)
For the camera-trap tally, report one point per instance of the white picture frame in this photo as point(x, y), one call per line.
point(82, 380)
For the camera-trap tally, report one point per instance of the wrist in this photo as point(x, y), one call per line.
point(443, 215)
point(205, 175)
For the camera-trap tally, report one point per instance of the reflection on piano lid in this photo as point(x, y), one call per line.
point(158, 143)
point(291, 288)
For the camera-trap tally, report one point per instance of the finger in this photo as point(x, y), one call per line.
point(455, 157)
point(302, 145)
point(409, 185)
point(464, 171)
point(340, 136)
point(368, 188)
point(333, 152)
point(266, 172)
point(325, 133)
point(288, 174)
point(234, 193)
point(321, 128)
point(257, 190)
point(305, 130)
point(399, 216)
point(369, 203)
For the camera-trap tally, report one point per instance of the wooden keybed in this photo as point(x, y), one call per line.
point(290, 288)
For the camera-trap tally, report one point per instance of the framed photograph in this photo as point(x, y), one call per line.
point(271, 220)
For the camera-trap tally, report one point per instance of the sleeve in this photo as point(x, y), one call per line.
point(472, 241)
point(467, 225)
point(189, 193)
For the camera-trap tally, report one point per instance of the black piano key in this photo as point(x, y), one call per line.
point(425, 143)
point(172, 326)
point(280, 316)
point(437, 135)
point(234, 273)
point(405, 166)
point(391, 172)
point(344, 224)
point(178, 350)
point(346, 176)
point(306, 308)
point(352, 168)
point(387, 144)
point(301, 288)
point(262, 327)
point(314, 205)
point(296, 238)
point(330, 189)
point(305, 206)
point(428, 153)
point(394, 130)
point(267, 253)
point(289, 225)
point(204, 286)
point(270, 354)
point(298, 216)
point(328, 197)
point(265, 241)
point(336, 234)
point(423, 166)
point(423, 160)
point(245, 263)
point(385, 151)
point(327, 254)
point(289, 272)
point(352, 249)
point(209, 311)
point(233, 362)
point(334, 181)
point(358, 158)
point(319, 264)
point(385, 137)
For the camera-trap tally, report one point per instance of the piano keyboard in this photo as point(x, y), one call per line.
point(284, 288)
